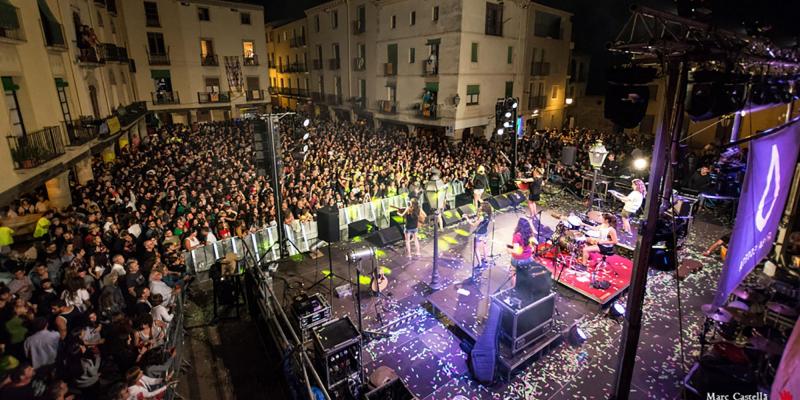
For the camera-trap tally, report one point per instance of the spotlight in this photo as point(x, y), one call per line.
point(577, 336)
point(514, 105)
point(508, 114)
point(500, 131)
point(617, 310)
point(568, 100)
point(640, 164)
point(305, 148)
point(306, 135)
point(507, 124)
point(306, 122)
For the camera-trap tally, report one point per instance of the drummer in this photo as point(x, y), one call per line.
point(605, 235)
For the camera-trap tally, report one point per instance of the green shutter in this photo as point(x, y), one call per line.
point(509, 89)
point(473, 89)
point(8, 83)
point(54, 35)
point(474, 56)
point(8, 15)
point(412, 55)
point(391, 51)
point(510, 57)
point(61, 83)
point(432, 86)
point(159, 73)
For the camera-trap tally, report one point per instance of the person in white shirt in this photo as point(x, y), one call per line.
point(118, 265)
point(161, 315)
point(633, 201)
point(157, 286)
point(42, 347)
point(141, 386)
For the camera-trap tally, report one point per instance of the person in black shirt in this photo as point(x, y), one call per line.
point(700, 181)
point(535, 182)
point(413, 215)
point(479, 184)
point(481, 231)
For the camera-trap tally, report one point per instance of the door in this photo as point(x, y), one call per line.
point(391, 54)
point(95, 104)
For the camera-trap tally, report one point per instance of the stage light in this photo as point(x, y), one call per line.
point(743, 113)
point(514, 105)
point(305, 148)
point(617, 310)
point(306, 135)
point(306, 122)
point(500, 131)
point(577, 336)
point(640, 164)
point(508, 114)
point(569, 101)
point(507, 124)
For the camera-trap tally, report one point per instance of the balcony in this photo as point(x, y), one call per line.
point(359, 27)
point(109, 52)
point(250, 60)
point(11, 28)
point(293, 68)
point(164, 97)
point(430, 68)
point(387, 106)
point(540, 69)
point(111, 6)
point(317, 96)
point(428, 111)
point(36, 148)
point(333, 99)
point(296, 92)
point(537, 101)
point(358, 103)
point(80, 131)
point(316, 64)
point(254, 94)
point(333, 63)
point(213, 97)
point(158, 58)
point(89, 57)
point(152, 21)
point(131, 112)
point(359, 64)
point(209, 60)
point(271, 65)
point(389, 69)
point(297, 41)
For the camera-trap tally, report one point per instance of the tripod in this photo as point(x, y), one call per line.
point(329, 277)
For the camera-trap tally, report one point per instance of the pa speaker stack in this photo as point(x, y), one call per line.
point(328, 224)
point(627, 95)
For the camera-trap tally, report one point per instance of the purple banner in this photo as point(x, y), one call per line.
point(770, 167)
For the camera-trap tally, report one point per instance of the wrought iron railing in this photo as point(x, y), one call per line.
point(209, 60)
point(158, 58)
point(334, 99)
point(359, 64)
point(540, 69)
point(165, 97)
point(359, 27)
point(387, 106)
point(316, 64)
point(250, 60)
point(83, 130)
point(430, 68)
point(89, 55)
point(389, 69)
point(297, 41)
point(254, 94)
point(36, 148)
point(213, 97)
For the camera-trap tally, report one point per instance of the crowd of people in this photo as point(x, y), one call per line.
point(88, 313)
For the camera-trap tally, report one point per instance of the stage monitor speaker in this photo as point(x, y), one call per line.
point(328, 224)
point(450, 217)
point(395, 219)
point(523, 320)
point(463, 199)
point(568, 155)
point(359, 228)
point(386, 236)
point(499, 202)
point(467, 209)
point(516, 198)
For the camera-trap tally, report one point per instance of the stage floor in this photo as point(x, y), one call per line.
point(423, 347)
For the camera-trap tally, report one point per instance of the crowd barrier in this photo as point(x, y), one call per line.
point(175, 339)
point(303, 235)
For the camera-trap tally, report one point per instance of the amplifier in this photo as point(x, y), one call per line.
point(337, 345)
point(309, 311)
point(523, 319)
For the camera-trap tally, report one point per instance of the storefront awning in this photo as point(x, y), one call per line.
point(8, 83)
point(159, 73)
point(52, 28)
point(61, 83)
point(473, 89)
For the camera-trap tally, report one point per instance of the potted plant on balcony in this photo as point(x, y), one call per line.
point(23, 156)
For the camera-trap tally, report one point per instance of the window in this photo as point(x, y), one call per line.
point(99, 19)
point(112, 79)
point(509, 89)
point(473, 94)
point(362, 50)
point(63, 100)
point(474, 53)
point(113, 25)
point(211, 84)
point(316, 23)
point(412, 18)
point(244, 18)
point(412, 55)
point(203, 14)
point(494, 19)
point(362, 89)
point(282, 85)
point(547, 25)
point(435, 14)
point(334, 19)
point(15, 115)
point(151, 14)
point(554, 93)
point(206, 48)
point(510, 55)
point(248, 48)
point(394, 21)
point(155, 43)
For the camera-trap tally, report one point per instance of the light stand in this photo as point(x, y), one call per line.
point(434, 194)
point(597, 156)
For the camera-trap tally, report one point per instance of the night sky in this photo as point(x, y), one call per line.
point(591, 37)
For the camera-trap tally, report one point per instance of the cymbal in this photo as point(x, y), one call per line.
point(739, 305)
point(782, 309)
point(720, 317)
point(745, 318)
point(741, 293)
point(768, 346)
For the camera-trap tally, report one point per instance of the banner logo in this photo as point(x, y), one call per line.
point(774, 174)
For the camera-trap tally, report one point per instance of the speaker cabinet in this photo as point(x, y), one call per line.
point(467, 209)
point(359, 228)
point(328, 224)
point(568, 155)
point(386, 236)
point(450, 217)
point(499, 202)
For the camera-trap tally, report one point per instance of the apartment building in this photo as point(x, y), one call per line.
point(68, 93)
point(289, 63)
point(198, 60)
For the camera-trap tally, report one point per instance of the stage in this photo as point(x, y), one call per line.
point(426, 327)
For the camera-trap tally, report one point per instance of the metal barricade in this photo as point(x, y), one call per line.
point(175, 339)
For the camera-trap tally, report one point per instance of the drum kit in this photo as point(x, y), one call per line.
point(752, 328)
point(569, 237)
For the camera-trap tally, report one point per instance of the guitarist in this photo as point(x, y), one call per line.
point(413, 215)
point(480, 226)
point(534, 180)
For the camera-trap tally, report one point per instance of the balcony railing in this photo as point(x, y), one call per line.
point(271, 65)
point(389, 70)
point(293, 67)
point(131, 112)
point(317, 96)
point(430, 68)
point(316, 64)
point(250, 60)
point(111, 53)
point(209, 60)
point(254, 94)
point(359, 64)
point(293, 92)
point(165, 97)
point(158, 58)
point(152, 21)
point(359, 27)
point(333, 99)
point(428, 111)
point(333, 63)
point(80, 131)
point(358, 103)
point(540, 69)
point(89, 55)
point(537, 101)
point(36, 148)
point(297, 41)
point(111, 6)
point(387, 106)
point(213, 97)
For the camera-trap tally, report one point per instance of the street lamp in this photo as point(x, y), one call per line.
point(434, 194)
point(597, 156)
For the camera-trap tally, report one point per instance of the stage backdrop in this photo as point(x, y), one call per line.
point(770, 167)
